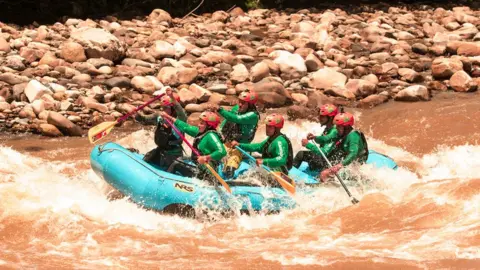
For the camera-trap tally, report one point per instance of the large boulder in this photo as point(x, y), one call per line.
point(292, 66)
point(49, 130)
point(239, 73)
point(158, 16)
point(462, 82)
point(73, 52)
point(413, 93)
point(326, 78)
point(176, 76)
point(35, 90)
point(162, 49)
point(259, 71)
point(66, 126)
point(361, 88)
point(99, 43)
point(444, 68)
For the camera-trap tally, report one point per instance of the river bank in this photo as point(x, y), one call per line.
point(61, 79)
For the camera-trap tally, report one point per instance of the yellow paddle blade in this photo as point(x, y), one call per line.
point(285, 181)
point(219, 178)
point(99, 131)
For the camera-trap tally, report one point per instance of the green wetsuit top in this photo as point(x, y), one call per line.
point(208, 143)
point(326, 141)
point(354, 146)
point(276, 152)
point(244, 124)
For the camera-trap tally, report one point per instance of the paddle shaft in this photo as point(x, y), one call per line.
point(287, 186)
point(354, 200)
point(125, 117)
point(219, 178)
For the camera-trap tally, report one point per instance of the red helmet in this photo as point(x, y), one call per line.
point(275, 120)
point(249, 97)
point(211, 118)
point(344, 119)
point(167, 101)
point(328, 110)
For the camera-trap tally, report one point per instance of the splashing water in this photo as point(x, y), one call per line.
point(56, 214)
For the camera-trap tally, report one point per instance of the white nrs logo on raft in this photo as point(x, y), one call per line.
point(183, 187)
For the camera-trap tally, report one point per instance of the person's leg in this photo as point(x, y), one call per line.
point(182, 168)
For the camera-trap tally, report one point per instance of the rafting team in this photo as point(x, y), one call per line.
point(216, 140)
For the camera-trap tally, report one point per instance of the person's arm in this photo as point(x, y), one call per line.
point(186, 128)
point(331, 136)
point(233, 110)
point(253, 147)
point(214, 143)
point(353, 149)
point(150, 119)
point(312, 147)
point(249, 118)
point(280, 151)
point(181, 114)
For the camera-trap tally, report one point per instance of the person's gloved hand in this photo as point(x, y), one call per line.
point(204, 159)
point(304, 142)
point(325, 174)
point(310, 136)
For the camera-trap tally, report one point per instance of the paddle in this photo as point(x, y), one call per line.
point(219, 178)
point(101, 130)
point(354, 200)
point(290, 187)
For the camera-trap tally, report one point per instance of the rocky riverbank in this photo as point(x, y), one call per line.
point(62, 79)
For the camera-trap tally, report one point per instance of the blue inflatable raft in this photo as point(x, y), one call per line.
point(155, 189)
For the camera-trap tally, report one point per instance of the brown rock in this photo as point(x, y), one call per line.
point(200, 93)
point(162, 49)
point(313, 63)
point(361, 88)
point(4, 45)
point(220, 16)
point(410, 75)
point(413, 93)
point(326, 78)
point(99, 43)
point(91, 103)
point(291, 66)
point(35, 90)
point(63, 124)
point(13, 79)
point(186, 96)
point(31, 55)
point(443, 68)
point(239, 73)
point(143, 84)
point(299, 98)
point(259, 71)
point(462, 82)
point(299, 112)
point(438, 86)
point(340, 92)
point(73, 52)
point(49, 130)
point(122, 82)
point(175, 76)
point(372, 101)
point(158, 16)
point(469, 49)
point(49, 59)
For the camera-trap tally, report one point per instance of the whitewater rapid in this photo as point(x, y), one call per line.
point(56, 213)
